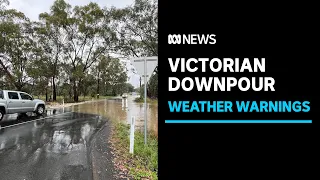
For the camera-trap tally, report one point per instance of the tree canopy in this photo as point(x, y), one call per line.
point(68, 50)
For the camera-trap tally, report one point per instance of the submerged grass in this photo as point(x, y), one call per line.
point(143, 163)
point(141, 100)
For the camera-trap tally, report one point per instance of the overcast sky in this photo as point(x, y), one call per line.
point(32, 9)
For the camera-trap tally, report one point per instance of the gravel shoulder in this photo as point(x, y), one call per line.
point(102, 158)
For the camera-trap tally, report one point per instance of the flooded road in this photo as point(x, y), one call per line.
point(53, 147)
point(59, 144)
point(112, 109)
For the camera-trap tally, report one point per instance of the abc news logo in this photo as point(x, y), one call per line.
point(191, 39)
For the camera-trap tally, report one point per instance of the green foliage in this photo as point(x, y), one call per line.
point(114, 76)
point(67, 54)
point(141, 100)
point(16, 46)
point(3, 4)
point(145, 158)
point(152, 90)
point(136, 28)
point(110, 76)
point(87, 86)
point(129, 87)
point(66, 51)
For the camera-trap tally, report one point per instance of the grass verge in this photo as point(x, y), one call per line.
point(143, 163)
point(141, 100)
point(68, 100)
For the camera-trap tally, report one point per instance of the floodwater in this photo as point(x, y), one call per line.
point(113, 109)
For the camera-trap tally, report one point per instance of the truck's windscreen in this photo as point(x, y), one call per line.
point(1, 94)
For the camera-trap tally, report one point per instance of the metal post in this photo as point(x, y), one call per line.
point(126, 102)
point(145, 100)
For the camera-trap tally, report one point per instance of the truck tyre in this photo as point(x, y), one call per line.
point(1, 114)
point(40, 109)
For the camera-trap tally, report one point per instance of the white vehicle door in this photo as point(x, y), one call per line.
point(14, 102)
point(27, 102)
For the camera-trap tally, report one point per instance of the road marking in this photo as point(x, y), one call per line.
point(33, 120)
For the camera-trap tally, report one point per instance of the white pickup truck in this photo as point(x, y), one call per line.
point(19, 102)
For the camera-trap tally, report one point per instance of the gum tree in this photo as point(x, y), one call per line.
point(136, 29)
point(82, 28)
point(17, 46)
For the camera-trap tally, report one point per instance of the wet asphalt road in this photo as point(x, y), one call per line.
point(56, 146)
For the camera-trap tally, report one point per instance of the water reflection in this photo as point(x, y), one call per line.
point(113, 109)
point(56, 147)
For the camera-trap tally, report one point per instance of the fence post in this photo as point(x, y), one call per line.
point(133, 119)
point(126, 102)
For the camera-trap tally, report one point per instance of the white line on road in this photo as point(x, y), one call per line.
point(33, 120)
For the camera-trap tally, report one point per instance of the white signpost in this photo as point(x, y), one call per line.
point(145, 67)
point(132, 125)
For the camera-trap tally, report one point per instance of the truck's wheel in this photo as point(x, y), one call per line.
point(40, 109)
point(1, 114)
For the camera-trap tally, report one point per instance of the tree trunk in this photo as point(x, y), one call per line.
point(54, 76)
point(98, 87)
point(46, 94)
point(32, 86)
point(54, 89)
point(75, 92)
point(19, 87)
point(70, 94)
point(11, 78)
